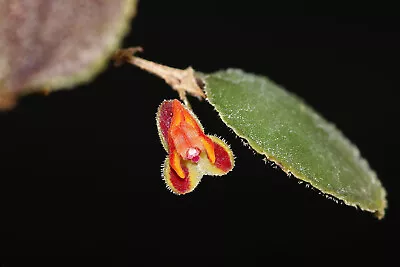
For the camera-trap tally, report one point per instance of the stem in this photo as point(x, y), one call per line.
point(182, 81)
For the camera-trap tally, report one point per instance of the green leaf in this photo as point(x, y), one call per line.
point(280, 126)
point(58, 43)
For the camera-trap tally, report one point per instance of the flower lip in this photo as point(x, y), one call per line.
point(193, 153)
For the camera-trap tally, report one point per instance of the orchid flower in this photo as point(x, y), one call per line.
point(191, 153)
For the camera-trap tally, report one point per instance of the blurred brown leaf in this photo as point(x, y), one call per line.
point(57, 43)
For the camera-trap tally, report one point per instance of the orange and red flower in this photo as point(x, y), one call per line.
point(191, 153)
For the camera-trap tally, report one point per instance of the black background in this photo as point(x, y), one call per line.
point(80, 170)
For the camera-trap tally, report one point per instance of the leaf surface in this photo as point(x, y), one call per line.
point(57, 43)
point(282, 127)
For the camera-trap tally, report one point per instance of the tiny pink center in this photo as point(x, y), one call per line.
point(193, 154)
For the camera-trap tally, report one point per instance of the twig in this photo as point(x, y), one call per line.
point(183, 81)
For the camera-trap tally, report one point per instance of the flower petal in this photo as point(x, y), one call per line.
point(175, 162)
point(224, 159)
point(180, 185)
point(171, 113)
point(209, 147)
point(164, 119)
